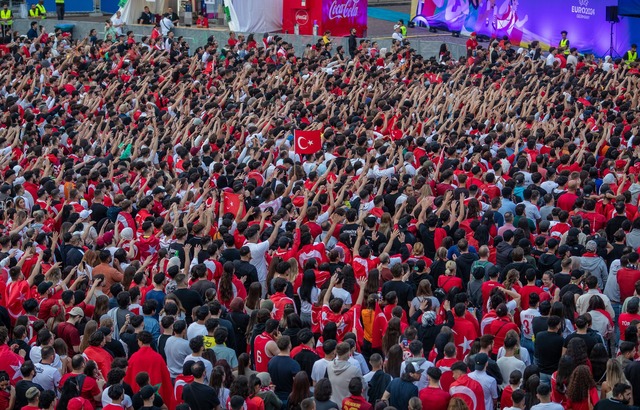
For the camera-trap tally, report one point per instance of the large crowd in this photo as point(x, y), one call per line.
point(466, 237)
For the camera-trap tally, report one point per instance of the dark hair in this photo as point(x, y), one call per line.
point(300, 389)
point(580, 383)
point(323, 390)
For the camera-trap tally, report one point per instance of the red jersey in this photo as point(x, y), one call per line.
point(624, 321)
point(356, 403)
point(261, 358)
point(433, 398)
point(499, 329)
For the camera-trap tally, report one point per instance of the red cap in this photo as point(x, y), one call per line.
point(473, 34)
point(620, 163)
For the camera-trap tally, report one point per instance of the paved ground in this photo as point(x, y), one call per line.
point(377, 28)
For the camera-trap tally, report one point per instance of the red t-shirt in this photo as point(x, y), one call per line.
point(90, 387)
point(627, 279)
point(525, 292)
point(434, 398)
point(625, 320)
point(71, 336)
point(449, 282)
point(355, 403)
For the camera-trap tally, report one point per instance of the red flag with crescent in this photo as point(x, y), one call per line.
point(231, 203)
point(307, 142)
point(16, 293)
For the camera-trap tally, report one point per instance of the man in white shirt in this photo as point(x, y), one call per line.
point(118, 23)
point(319, 370)
point(177, 349)
point(198, 328)
point(47, 376)
point(509, 362)
point(544, 395)
point(488, 383)
point(166, 25)
point(259, 249)
point(526, 318)
point(551, 58)
point(397, 34)
point(197, 347)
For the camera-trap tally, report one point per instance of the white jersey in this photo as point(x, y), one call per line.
point(526, 318)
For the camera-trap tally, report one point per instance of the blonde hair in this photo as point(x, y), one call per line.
point(418, 249)
point(450, 268)
point(441, 253)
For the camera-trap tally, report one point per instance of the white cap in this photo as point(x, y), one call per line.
point(85, 214)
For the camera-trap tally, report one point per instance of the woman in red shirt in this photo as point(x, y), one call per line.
point(449, 280)
point(582, 393)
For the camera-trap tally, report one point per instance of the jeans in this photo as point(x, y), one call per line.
point(528, 344)
point(60, 10)
point(545, 378)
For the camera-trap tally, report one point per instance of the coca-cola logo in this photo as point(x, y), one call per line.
point(343, 9)
point(302, 17)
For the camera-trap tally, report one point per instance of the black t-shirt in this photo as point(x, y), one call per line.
point(589, 339)
point(246, 270)
point(548, 350)
point(561, 279)
point(21, 389)
point(539, 324)
point(403, 290)
point(200, 396)
point(571, 287)
point(350, 229)
point(230, 255)
point(611, 404)
point(162, 341)
point(189, 299)
point(98, 212)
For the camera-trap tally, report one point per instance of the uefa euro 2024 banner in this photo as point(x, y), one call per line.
point(526, 20)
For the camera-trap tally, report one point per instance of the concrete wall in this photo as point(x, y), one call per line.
point(198, 37)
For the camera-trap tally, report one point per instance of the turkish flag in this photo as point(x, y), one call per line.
point(16, 293)
point(307, 142)
point(464, 333)
point(231, 203)
point(10, 362)
point(147, 360)
point(469, 390)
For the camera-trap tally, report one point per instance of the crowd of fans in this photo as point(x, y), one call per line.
point(466, 238)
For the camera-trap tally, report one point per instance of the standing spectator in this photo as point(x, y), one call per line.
point(282, 369)
point(548, 348)
point(402, 389)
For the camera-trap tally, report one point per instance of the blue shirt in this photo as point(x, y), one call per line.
point(507, 206)
point(152, 326)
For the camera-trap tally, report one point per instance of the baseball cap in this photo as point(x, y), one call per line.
point(43, 287)
point(147, 392)
point(591, 246)
point(104, 330)
point(76, 311)
point(265, 378)
point(410, 368)
point(481, 360)
point(31, 393)
point(85, 214)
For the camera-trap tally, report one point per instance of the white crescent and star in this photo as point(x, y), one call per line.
point(299, 142)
